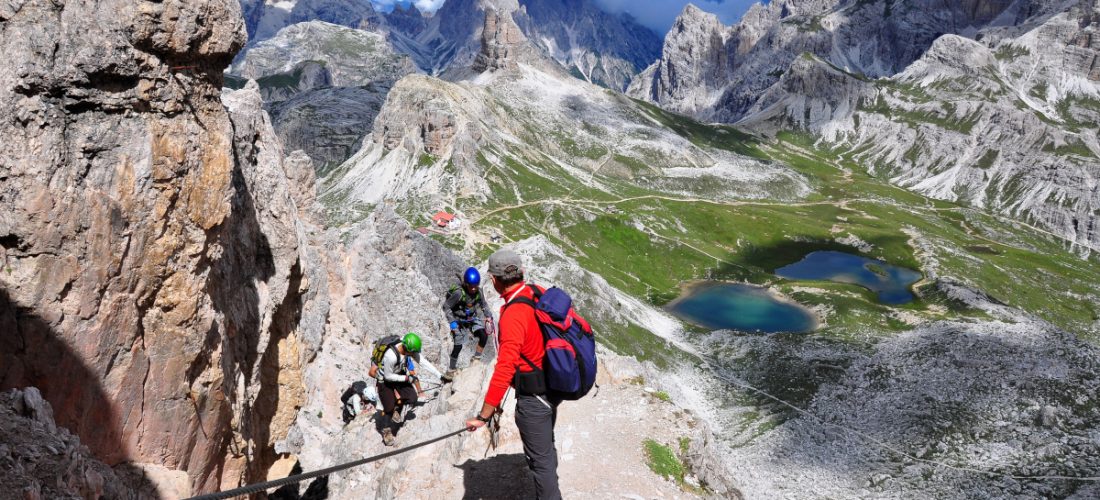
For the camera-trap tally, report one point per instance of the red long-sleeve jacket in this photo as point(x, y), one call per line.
point(519, 333)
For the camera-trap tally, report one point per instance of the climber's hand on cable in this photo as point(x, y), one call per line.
point(412, 379)
point(475, 423)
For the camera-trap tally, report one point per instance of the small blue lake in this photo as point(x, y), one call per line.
point(733, 306)
point(890, 283)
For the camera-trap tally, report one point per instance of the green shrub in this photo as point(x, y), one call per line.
point(663, 461)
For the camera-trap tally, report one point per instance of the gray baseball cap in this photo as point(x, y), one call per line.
point(505, 264)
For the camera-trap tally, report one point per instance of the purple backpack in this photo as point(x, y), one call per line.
point(570, 362)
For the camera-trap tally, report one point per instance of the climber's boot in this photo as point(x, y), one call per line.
point(398, 414)
point(387, 437)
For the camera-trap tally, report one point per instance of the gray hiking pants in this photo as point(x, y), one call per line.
point(535, 418)
point(477, 329)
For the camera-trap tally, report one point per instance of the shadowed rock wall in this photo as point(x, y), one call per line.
point(161, 255)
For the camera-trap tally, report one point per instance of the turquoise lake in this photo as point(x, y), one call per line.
point(891, 283)
point(733, 306)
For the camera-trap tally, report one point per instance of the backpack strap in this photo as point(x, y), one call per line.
point(521, 300)
point(529, 363)
point(533, 303)
point(524, 300)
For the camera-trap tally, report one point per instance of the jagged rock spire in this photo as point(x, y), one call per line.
point(501, 42)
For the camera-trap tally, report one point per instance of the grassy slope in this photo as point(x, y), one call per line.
point(648, 247)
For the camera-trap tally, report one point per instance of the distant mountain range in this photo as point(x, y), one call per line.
point(993, 103)
point(326, 66)
point(603, 48)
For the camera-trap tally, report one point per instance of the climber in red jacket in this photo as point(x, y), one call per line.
point(521, 351)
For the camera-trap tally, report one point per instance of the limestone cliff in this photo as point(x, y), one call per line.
point(264, 18)
point(148, 239)
point(323, 85)
point(695, 63)
point(597, 46)
point(501, 39)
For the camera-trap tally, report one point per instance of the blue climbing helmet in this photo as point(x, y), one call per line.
point(471, 277)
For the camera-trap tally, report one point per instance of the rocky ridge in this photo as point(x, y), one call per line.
point(323, 85)
point(734, 64)
point(324, 68)
point(350, 57)
point(436, 140)
point(265, 18)
point(694, 67)
point(602, 48)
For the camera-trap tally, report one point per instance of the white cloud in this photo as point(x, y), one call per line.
point(421, 5)
point(659, 14)
point(428, 5)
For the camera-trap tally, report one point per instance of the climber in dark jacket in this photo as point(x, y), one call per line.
point(468, 313)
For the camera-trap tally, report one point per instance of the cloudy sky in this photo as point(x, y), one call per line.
point(656, 14)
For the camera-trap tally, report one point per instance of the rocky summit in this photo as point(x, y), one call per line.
point(211, 211)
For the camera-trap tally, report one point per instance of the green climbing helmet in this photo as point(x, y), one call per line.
point(411, 342)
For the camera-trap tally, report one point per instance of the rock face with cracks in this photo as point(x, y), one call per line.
point(38, 459)
point(141, 276)
point(153, 282)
